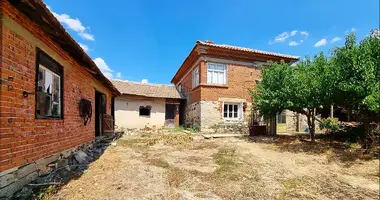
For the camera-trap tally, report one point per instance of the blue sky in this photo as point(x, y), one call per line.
point(140, 39)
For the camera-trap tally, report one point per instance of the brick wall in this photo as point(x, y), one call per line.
point(194, 94)
point(239, 80)
point(24, 139)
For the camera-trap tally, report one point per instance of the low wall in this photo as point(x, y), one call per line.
point(15, 178)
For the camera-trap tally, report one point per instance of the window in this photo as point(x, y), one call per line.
point(216, 73)
point(232, 111)
point(195, 77)
point(48, 88)
point(145, 111)
point(281, 118)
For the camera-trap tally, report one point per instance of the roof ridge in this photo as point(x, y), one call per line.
point(233, 47)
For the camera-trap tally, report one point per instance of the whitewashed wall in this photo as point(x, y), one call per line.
point(127, 112)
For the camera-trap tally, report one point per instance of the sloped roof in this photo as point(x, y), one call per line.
point(225, 46)
point(38, 12)
point(147, 89)
point(229, 52)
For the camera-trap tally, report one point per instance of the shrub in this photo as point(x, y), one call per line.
point(330, 124)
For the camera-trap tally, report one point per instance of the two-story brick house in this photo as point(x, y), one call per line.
point(215, 79)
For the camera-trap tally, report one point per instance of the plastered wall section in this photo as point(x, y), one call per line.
point(127, 112)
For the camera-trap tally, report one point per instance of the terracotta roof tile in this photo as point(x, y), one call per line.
point(147, 89)
point(247, 50)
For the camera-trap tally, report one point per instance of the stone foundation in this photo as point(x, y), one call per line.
point(210, 114)
point(15, 178)
point(193, 115)
point(207, 116)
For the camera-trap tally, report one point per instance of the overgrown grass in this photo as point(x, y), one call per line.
point(175, 177)
point(159, 162)
point(149, 139)
point(205, 145)
point(226, 159)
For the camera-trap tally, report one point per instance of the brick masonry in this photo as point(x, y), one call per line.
point(24, 139)
point(206, 98)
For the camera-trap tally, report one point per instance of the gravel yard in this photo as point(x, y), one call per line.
point(180, 166)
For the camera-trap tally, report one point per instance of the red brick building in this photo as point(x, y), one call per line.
point(44, 76)
point(215, 79)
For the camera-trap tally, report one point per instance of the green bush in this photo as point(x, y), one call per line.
point(329, 123)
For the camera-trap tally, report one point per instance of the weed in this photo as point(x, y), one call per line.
point(159, 162)
point(225, 156)
point(175, 177)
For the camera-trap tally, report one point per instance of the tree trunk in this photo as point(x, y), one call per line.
point(311, 123)
point(312, 128)
point(369, 138)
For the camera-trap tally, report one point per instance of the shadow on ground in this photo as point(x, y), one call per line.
point(64, 170)
point(346, 152)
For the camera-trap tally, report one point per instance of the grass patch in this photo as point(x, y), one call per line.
point(159, 162)
point(290, 188)
point(205, 145)
point(226, 159)
point(225, 156)
point(175, 177)
point(149, 139)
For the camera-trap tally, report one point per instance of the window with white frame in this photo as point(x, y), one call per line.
point(195, 77)
point(216, 73)
point(232, 111)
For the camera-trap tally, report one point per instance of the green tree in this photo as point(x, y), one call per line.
point(301, 88)
point(358, 74)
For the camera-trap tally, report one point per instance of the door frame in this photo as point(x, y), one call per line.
point(100, 102)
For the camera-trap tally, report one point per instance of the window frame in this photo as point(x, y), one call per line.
point(240, 112)
point(53, 66)
point(145, 107)
point(195, 77)
point(209, 81)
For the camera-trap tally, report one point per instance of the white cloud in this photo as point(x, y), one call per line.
point(350, 30)
point(108, 74)
point(87, 36)
point(73, 24)
point(336, 39)
point(321, 42)
point(84, 47)
point(106, 70)
point(280, 38)
point(305, 33)
point(294, 43)
point(144, 81)
point(286, 35)
point(118, 75)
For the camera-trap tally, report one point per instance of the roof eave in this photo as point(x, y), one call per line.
point(37, 12)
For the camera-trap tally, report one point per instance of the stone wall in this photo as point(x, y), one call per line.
point(193, 114)
point(12, 180)
point(297, 122)
point(210, 114)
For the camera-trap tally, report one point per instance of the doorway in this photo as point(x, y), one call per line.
point(100, 109)
point(170, 112)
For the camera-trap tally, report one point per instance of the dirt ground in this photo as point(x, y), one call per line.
point(180, 166)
